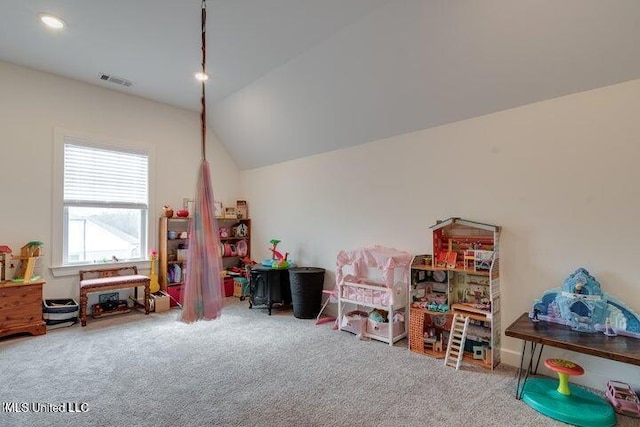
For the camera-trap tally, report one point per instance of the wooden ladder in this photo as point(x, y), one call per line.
point(455, 348)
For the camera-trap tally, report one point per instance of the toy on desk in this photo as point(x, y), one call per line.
point(534, 315)
point(581, 304)
point(274, 252)
point(608, 330)
point(277, 259)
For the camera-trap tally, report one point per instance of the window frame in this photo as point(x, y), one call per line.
point(59, 210)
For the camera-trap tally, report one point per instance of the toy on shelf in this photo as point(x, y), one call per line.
point(32, 249)
point(167, 211)
point(29, 254)
point(469, 258)
point(581, 304)
point(433, 340)
point(483, 260)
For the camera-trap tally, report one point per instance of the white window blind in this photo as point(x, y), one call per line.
point(105, 203)
point(99, 176)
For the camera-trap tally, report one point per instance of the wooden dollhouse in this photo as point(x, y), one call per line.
point(460, 277)
point(27, 259)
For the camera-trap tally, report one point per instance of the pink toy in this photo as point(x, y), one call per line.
point(623, 398)
point(274, 251)
point(279, 261)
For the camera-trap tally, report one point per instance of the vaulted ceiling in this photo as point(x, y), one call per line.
point(292, 78)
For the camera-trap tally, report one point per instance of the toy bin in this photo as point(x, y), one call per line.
point(58, 313)
point(175, 295)
point(306, 291)
point(355, 321)
point(381, 329)
point(241, 288)
point(227, 283)
point(161, 301)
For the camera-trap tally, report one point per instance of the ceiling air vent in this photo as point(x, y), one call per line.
point(115, 80)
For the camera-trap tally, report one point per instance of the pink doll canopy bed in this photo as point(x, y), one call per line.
point(361, 289)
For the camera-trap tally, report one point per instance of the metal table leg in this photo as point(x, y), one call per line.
point(530, 369)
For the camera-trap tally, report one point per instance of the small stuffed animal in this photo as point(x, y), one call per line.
point(378, 315)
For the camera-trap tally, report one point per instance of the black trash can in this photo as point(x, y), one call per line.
point(306, 291)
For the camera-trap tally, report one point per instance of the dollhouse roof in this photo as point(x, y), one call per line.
point(5, 249)
point(465, 222)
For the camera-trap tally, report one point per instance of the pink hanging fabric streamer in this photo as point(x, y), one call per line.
point(203, 296)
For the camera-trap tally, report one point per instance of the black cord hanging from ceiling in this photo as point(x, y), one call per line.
point(203, 114)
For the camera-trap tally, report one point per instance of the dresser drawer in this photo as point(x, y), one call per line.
point(20, 304)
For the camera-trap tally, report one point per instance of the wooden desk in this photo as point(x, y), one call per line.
point(619, 348)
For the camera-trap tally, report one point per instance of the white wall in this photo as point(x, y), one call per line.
point(32, 103)
point(560, 176)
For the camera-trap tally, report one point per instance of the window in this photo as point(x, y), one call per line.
point(105, 202)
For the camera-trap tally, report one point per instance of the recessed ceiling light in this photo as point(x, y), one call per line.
point(201, 76)
point(51, 21)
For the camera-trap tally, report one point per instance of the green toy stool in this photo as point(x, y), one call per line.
point(555, 399)
point(564, 369)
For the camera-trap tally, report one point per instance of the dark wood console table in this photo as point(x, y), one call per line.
point(269, 286)
point(619, 348)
